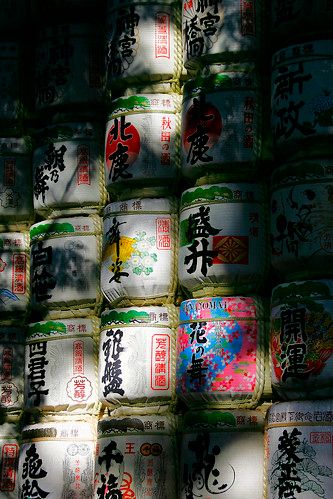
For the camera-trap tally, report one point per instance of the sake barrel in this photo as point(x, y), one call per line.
point(137, 356)
point(68, 69)
point(299, 460)
point(143, 43)
point(299, 20)
point(221, 123)
point(57, 460)
point(68, 172)
point(9, 448)
point(65, 266)
point(301, 219)
point(221, 350)
point(11, 91)
point(301, 116)
point(61, 365)
point(16, 206)
point(142, 144)
point(144, 462)
point(15, 275)
point(221, 30)
point(222, 454)
point(139, 263)
point(302, 339)
point(12, 340)
point(223, 235)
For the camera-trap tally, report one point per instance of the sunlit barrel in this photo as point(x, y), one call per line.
point(15, 275)
point(139, 263)
point(65, 266)
point(57, 460)
point(68, 67)
point(220, 30)
point(223, 239)
point(142, 144)
point(302, 219)
point(221, 352)
point(9, 448)
point(221, 123)
point(222, 454)
point(12, 341)
point(61, 365)
point(301, 339)
point(68, 172)
point(143, 43)
point(137, 356)
point(16, 206)
point(301, 100)
point(299, 459)
point(144, 457)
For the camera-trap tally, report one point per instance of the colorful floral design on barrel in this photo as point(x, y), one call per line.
point(221, 352)
point(302, 339)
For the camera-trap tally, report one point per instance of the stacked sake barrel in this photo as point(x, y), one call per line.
point(301, 253)
point(16, 215)
point(222, 372)
point(51, 241)
point(137, 353)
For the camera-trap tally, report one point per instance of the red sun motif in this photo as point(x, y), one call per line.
point(202, 116)
point(122, 144)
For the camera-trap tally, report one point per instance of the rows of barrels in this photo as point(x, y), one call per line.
point(166, 240)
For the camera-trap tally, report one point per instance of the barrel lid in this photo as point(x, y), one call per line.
point(223, 420)
point(221, 308)
point(231, 77)
point(12, 146)
point(83, 130)
point(308, 50)
point(76, 430)
point(65, 227)
point(302, 292)
point(141, 206)
point(136, 316)
point(222, 193)
point(302, 412)
point(62, 328)
point(166, 103)
point(311, 170)
point(153, 424)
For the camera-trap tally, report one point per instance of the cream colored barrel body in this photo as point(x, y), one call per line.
point(140, 252)
point(65, 266)
point(137, 356)
point(57, 460)
point(222, 454)
point(145, 460)
point(223, 239)
point(61, 365)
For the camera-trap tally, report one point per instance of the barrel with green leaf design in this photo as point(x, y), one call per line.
point(65, 267)
point(222, 454)
point(223, 239)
